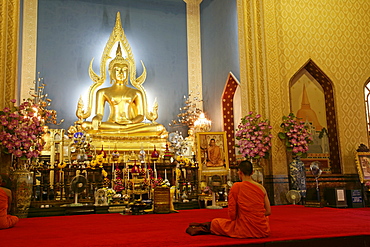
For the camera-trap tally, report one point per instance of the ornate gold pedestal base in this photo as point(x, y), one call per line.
point(128, 144)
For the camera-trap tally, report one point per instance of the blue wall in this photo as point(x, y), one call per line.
point(72, 32)
point(219, 30)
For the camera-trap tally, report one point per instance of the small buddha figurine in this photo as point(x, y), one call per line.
point(135, 169)
point(102, 152)
point(115, 154)
point(132, 156)
point(167, 154)
point(155, 154)
point(142, 154)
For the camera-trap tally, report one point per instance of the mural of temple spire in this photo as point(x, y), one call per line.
point(320, 143)
point(306, 114)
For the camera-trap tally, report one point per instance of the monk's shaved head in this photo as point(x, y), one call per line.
point(246, 167)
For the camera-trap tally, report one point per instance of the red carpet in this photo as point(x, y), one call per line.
point(289, 222)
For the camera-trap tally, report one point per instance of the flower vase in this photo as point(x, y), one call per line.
point(297, 176)
point(258, 173)
point(22, 186)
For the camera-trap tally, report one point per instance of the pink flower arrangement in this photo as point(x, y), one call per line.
point(295, 134)
point(22, 128)
point(254, 138)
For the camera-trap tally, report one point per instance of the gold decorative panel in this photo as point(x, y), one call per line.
point(334, 34)
point(260, 83)
point(9, 26)
point(252, 57)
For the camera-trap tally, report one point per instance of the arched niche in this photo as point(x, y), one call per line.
point(312, 100)
point(367, 105)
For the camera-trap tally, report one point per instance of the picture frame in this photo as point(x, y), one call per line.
point(213, 144)
point(363, 166)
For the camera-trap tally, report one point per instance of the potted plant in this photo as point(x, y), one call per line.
point(21, 138)
point(296, 138)
point(295, 135)
point(254, 140)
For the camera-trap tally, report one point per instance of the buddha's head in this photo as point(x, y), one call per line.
point(119, 68)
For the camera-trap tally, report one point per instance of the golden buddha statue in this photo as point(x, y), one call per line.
point(127, 109)
point(127, 103)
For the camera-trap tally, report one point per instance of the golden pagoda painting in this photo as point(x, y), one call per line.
point(308, 104)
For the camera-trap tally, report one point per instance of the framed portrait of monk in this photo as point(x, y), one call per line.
point(212, 153)
point(363, 166)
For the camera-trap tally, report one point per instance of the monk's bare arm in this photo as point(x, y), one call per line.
point(267, 201)
point(9, 194)
point(267, 206)
point(232, 201)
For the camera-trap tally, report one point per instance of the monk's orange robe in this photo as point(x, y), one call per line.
point(6, 220)
point(246, 211)
point(214, 156)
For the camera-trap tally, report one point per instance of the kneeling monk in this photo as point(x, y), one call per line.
point(248, 208)
point(6, 220)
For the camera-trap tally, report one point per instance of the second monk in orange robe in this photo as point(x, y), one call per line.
point(6, 220)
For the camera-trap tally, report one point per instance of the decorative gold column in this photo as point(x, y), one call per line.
point(194, 50)
point(29, 45)
point(9, 28)
point(260, 89)
point(252, 57)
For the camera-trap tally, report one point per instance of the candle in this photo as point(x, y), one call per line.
point(62, 185)
point(109, 157)
point(126, 185)
point(52, 179)
point(165, 174)
point(113, 177)
point(155, 171)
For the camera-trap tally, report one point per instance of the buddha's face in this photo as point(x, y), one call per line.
point(120, 73)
